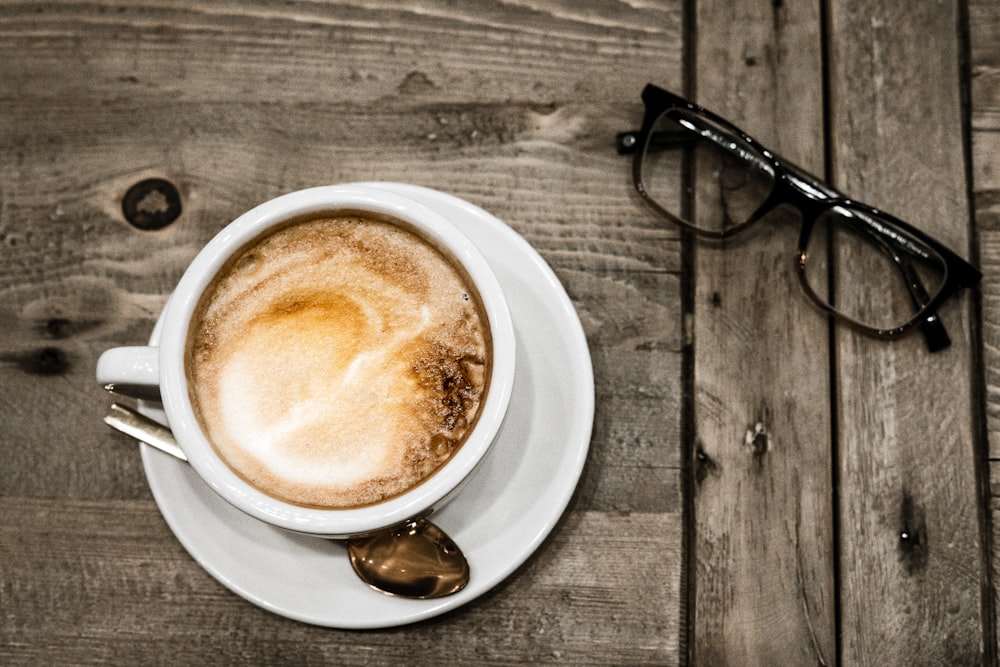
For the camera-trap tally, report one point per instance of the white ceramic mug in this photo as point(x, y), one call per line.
point(135, 369)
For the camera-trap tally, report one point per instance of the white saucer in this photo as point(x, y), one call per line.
point(499, 519)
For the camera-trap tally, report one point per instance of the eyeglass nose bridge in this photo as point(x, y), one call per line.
point(785, 192)
point(797, 188)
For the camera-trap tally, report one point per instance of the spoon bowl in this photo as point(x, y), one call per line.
point(415, 560)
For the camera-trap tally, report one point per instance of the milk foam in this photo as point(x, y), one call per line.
point(338, 362)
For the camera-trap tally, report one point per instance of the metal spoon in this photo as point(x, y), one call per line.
point(415, 560)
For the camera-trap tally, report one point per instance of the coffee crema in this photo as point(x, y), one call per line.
point(339, 361)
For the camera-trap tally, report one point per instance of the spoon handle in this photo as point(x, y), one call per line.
point(143, 429)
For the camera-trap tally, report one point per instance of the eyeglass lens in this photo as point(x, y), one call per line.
point(731, 178)
point(881, 276)
point(860, 264)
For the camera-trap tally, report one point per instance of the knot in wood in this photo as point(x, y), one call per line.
point(913, 541)
point(151, 204)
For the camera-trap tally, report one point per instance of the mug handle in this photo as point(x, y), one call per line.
point(132, 371)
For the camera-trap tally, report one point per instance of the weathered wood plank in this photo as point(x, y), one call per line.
point(764, 568)
point(75, 283)
point(911, 555)
point(164, 50)
point(77, 279)
point(984, 19)
point(512, 106)
point(134, 597)
point(984, 51)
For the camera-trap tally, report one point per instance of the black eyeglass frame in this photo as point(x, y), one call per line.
point(812, 197)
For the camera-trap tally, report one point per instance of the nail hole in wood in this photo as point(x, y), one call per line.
point(704, 465)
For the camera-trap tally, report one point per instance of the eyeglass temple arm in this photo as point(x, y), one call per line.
point(627, 143)
point(935, 334)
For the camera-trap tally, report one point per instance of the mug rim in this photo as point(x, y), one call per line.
point(419, 500)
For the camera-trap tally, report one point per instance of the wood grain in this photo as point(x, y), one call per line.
point(984, 18)
point(764, 586)
point(805, 467)
point(984, 49)
point(513, 106)
point(134, 596)
point(911, 553)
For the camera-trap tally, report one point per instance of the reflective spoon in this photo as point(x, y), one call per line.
point(415, 560)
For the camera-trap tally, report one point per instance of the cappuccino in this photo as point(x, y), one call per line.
point(338, 361)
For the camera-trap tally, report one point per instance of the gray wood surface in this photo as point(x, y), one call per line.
point(764, 577)
point(911, 549)
point(984, 92)
point(752, 471)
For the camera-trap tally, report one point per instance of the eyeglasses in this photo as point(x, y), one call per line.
point(861, 265)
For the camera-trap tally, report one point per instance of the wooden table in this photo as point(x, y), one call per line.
point(761, 487)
